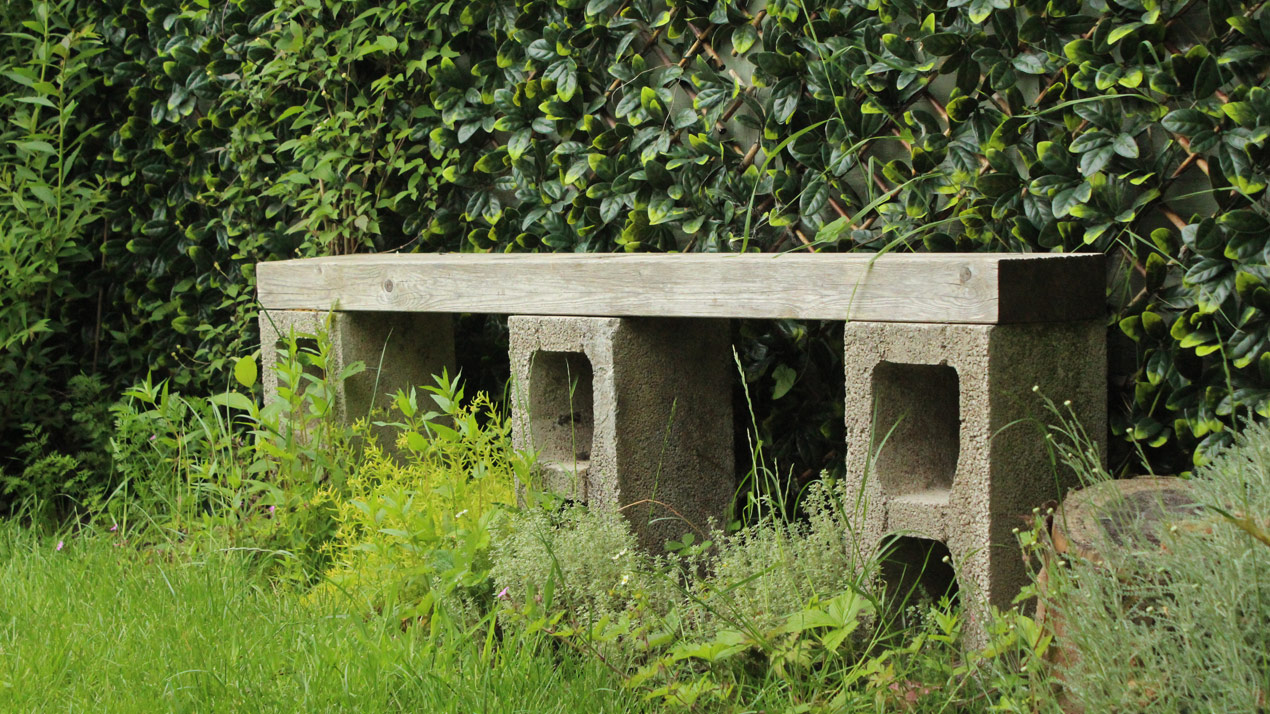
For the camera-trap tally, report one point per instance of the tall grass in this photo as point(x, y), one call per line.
point(100, 627)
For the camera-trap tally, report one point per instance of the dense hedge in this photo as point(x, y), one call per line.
point(1133, 129)
point(247, 130)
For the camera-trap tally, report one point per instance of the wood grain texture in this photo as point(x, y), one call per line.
point(918, 287)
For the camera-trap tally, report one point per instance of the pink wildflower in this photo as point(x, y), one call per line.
point(60, 544)
point(502, 595)
point(114, 528)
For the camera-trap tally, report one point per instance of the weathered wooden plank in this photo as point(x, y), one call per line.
point(924, 287)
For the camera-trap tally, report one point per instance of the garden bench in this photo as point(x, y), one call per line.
point(622, 368)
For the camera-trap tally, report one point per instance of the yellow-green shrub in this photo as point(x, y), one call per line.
point(414, 524)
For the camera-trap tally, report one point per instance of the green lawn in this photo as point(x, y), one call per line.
point(95, 627)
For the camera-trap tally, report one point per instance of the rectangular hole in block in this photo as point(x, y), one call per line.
point(917, 570)
point(917, 429)
point(562, 410)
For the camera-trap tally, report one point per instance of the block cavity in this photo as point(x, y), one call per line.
point(915, 568)
point(918, 407)
point(562, 402)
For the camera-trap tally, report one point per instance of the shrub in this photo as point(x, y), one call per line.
point(52, 482)
point(777, 567)
point(400, 528)
point(1180, 626)
point(202, 470)
point(1139, 132)
point(48, 211)
point(584, 565)
point(573, 559)
point(781, 616)
point(414, 525)
point(177, 282)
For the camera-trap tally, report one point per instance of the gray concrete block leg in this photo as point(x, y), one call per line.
point(945, 436)
point(400, 350)
point(629, 413)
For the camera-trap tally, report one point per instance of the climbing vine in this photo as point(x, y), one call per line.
point(222, 134)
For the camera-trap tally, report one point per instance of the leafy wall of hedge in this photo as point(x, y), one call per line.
point(254, 129)
point(1134, 129)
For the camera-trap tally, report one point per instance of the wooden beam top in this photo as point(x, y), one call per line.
point(984, 288)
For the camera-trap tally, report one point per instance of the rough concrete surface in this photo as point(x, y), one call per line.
point(400, 350)
point(944, 434)
point(658, 426)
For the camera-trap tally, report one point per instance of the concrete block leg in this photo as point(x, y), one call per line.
point(945, 436)
point(629, 413)
point(400, 350)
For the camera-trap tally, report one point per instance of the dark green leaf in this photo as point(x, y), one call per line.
point(541, 51)
point(1244, 221)
point(1125, 146)
point(1187, 122)
point(961, 108)
point(1066, 199)
point(565, 75)
point(942, 44)
point(1241, 53)
point(1092, 162)
point(785, 96)
point(1090, 140)
point(660, 210)
point(684, 118)
point(814, 197)
point(1030, 63)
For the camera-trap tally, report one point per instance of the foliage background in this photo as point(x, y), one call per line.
point(216, 135)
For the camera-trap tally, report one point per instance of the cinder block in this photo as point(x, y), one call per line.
point(945, 438)
point(400, 350)
point(625, 412)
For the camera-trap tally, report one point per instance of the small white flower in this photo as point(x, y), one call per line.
point(626, 578)
point(619, 554)
point(460, 514)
